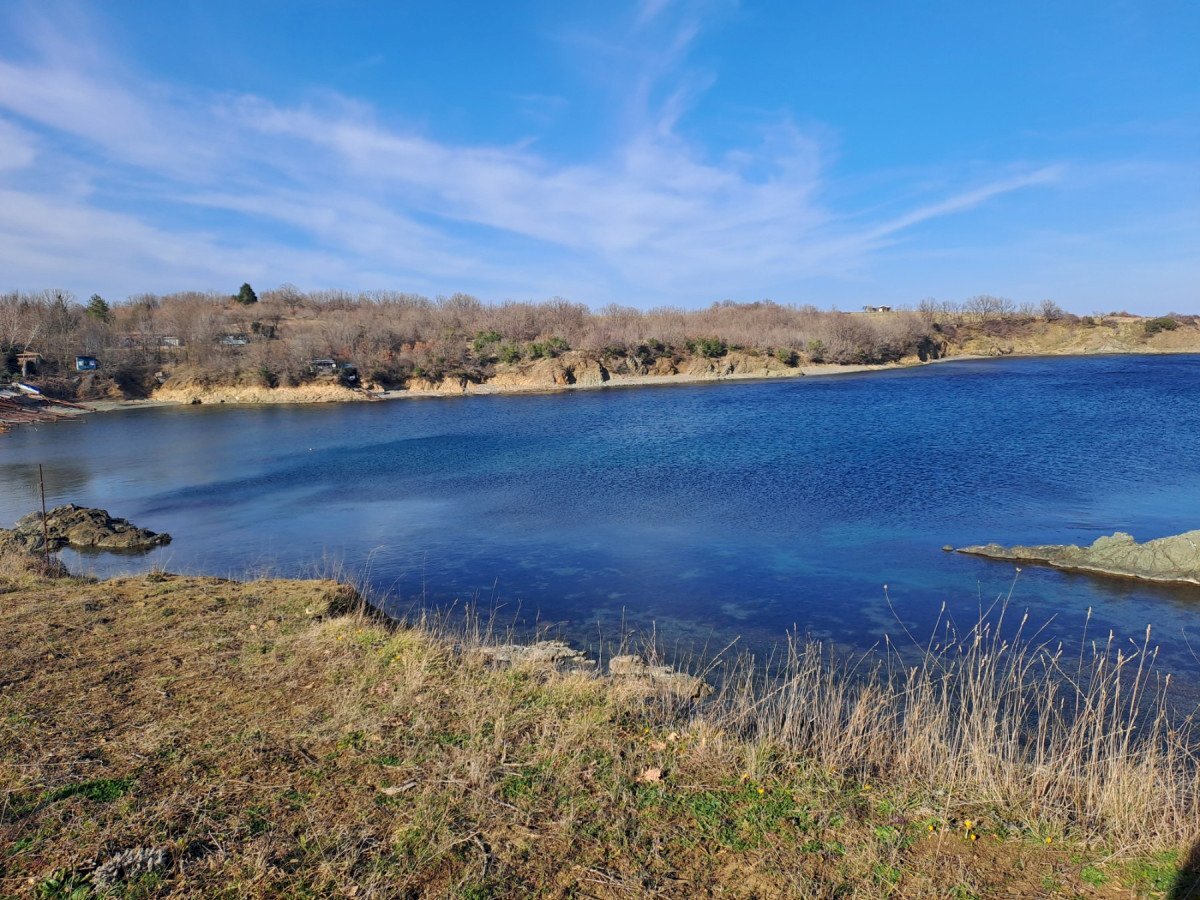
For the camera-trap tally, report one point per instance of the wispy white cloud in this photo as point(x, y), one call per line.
point(649, 10)
point(541, 109)
point(966, 200)
point(16, 146)
point(330, 194)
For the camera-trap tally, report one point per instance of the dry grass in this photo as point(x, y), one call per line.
point(275, 740)
point(1086, 747)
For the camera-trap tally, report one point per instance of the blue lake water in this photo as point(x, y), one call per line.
point(708, 512)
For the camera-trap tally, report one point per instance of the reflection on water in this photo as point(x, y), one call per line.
point(713, 511)
point(20, 480)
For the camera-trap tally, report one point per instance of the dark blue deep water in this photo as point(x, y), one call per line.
point(711, 512)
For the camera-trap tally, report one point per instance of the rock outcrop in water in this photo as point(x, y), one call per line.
point(1171, 559)
point(80, 527)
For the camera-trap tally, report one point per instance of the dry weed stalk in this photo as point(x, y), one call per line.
point(1090, 745)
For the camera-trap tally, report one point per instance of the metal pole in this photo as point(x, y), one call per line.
point(45, 527)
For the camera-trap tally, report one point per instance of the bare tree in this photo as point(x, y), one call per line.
point(1051, 311)
point(987, 308)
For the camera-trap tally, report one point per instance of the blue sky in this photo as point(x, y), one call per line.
point(646, 153)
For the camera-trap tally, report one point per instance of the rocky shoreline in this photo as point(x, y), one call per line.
point(1174, 559)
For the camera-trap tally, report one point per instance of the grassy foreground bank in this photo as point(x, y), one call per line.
point(194, 736)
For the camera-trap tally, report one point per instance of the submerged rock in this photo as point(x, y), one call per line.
point(1171, 559)
point(81, 527)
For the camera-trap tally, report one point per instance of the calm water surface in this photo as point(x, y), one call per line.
point(712, 512)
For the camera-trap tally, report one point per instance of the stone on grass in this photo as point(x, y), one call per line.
point(129, 865)
point(679, 683)
point(542, 654)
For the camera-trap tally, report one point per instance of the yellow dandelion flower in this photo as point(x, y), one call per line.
point(1049, 840)
point(968, 824)
point(930, 827)
point(974, 836)
point(760, 791)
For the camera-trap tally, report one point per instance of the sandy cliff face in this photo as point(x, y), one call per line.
point(738, 363)
point(571, 369)
point(1115, 334)
point(444, 386)
point(194, 392)
point(580, 369)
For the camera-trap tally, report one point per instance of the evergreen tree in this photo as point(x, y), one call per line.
point(98, 308)
point(246, 295)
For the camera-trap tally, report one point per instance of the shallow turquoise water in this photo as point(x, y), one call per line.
point(710, 512)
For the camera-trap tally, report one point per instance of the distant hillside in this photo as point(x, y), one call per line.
point(327, 345)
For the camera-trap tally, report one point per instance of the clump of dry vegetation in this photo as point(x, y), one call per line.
point(196, 736)
point(391, 339)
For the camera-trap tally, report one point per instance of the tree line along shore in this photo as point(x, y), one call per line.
point(191, 736)
point(326, 344)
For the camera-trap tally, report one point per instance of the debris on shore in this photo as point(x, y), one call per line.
point(21, 404)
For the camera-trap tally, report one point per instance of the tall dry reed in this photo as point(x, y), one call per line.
point(1086, 743)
